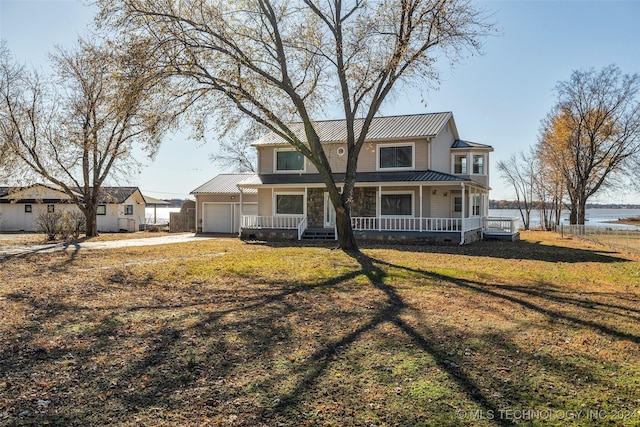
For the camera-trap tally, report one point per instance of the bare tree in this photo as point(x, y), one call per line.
point(593, 134)
point(276, 62)
point(79, 126)
point(519, 172)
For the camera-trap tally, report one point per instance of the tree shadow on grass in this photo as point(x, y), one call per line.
point(519, 250)
point(205, 356)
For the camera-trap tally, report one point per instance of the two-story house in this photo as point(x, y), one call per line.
point(417, 181)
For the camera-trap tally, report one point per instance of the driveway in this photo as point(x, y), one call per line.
point(7, 251)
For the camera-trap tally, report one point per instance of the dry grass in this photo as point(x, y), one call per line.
point(222, 332)
point(12, 239)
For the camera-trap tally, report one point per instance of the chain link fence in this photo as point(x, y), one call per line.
point(627, 238)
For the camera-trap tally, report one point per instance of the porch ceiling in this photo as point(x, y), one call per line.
point(424, 177)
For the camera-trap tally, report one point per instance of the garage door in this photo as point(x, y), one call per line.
point(217, 218)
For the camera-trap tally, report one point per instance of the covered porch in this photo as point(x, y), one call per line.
point(443, 211)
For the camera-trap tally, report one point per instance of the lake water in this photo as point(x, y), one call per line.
point(595, 217)
point(161, 215)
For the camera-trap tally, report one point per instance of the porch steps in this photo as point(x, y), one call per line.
point(319, 234)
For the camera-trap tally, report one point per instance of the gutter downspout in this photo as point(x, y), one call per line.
point(463, 210)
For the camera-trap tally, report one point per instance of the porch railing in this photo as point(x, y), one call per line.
point(506, 226)
point(276, 222)
point(414, 224)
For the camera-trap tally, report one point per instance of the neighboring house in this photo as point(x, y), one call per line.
point(218, 204)
point(120, 208)
point(417, 181)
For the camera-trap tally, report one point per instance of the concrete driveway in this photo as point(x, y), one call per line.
point(7, 251)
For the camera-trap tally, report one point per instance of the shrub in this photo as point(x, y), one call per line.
point(72, 224)
point(49, 223)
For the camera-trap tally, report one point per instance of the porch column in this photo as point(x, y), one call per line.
point(378, 208)
point(241, 213)
point(420, 220)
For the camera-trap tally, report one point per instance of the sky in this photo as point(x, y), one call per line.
point(497, 98)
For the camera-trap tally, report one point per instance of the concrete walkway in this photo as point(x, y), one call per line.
point(8, 251)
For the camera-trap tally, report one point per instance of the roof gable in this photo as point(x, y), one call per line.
point(116, 195)
point(382, 128)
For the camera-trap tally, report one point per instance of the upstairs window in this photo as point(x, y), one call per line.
point(128, 209)
point(289, 160)
point(478, 164)
point(395, 157)
point(460, 165)
point(51, 208)
point(28, 208)
point(101, 210)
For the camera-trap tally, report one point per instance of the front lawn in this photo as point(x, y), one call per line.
point(545, 331)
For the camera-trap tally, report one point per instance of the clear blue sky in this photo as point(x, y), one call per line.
point(497, 99)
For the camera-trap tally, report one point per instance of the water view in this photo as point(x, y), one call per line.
point(595, 217)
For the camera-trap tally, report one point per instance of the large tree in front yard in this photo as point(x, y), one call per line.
point(592, 136)
point(276, 62)
point(79, 126)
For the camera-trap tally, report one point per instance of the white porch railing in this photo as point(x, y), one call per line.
point(301, 227)
point(414, 224)
point(277, 222)
point(506, 226)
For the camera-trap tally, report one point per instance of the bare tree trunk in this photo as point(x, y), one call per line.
point(346, 238)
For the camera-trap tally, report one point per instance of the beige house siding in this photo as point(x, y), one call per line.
point(441, 151)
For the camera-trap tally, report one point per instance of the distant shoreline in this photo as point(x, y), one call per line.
point(512, 204)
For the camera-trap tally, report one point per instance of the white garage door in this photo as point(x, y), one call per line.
point(217, 218)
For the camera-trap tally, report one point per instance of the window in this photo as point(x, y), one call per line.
point(478, 164)
point(457, 204)
point(396, 204)
point(289, 204)
point(102, 210)
point(28, 208)
point(51, 208)
point(476, 205)
point(128, 209)
point(460, 164)
point(289, 160)
point(395, 156)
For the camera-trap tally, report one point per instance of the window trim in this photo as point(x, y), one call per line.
point(473, 164)
point(453, 201)
point(397, 144)
point(104, 210)
point(466, 163)
point(290, 193)
point(275, 161)
point(399, 192)
point(125, 210)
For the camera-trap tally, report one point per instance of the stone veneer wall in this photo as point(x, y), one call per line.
point(364, 202)
point(315, 208)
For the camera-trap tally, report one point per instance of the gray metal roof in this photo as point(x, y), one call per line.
point(225, 183)
point(458, 143)
point(363, 177)
point(389, 127)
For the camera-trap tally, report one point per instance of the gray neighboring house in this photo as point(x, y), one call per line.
point(218, 203)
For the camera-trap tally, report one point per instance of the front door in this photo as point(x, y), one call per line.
point(329, 212)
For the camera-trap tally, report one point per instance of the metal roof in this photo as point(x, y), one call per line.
point(458, 143)
point(388, 127)
point(225, 183)
point(116, 195)
point(362, 178)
